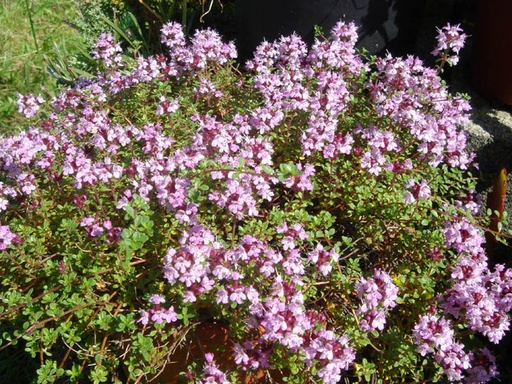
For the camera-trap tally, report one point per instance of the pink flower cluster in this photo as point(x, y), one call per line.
point(331, 353)
point(29, 105)
point(416, 191)
point(285, 74)
point(434, 335)
point(481, 297)
point(292, 79)
point(402, 92)
point(167, 106)
point(206, 46)
point(301, 182)
point(450, 39)
point(206, 268)
point(289, 78)
point(6, 237)
point(107, 50)
point(211, 372)
point(95, 228)
point(377, 294)
point(483, 367)
point(158, 314)
point(6, 192)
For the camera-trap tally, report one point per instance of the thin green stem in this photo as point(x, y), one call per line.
point(31, 21)
point(184, 12)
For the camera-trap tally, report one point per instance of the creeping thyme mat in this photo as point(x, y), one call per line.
point(317, 203)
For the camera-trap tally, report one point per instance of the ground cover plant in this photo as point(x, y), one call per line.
point(317, 204)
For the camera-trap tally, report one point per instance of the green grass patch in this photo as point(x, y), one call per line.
point(33, 32)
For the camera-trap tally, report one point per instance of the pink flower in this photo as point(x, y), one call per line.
point(377, 294)
point(211, 373)
point(167, 106)
point(29, 104)
point(449, 38)
point(144, 317)
point(107, 50)
point(301, 182)
point(157, 299)
point(6, 237)
point(416, 191)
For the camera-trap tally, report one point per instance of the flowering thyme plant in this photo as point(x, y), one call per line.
point(317, 205)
